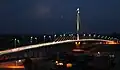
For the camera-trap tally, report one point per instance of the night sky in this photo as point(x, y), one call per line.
point(58, 16)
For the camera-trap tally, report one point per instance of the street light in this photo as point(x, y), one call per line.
point(36, 39)
point(15, 41)
point(115, 38)
point(89, 35)
point(98, 36)
point(63, 34)
point(108, 37)
point(60, 35)
point(18, 41)
point(54, 36)
point(102, 36)
point(69, 34)
point(94, 35)
point(83, 34)
point(105, 37)
point(44, 37)
point(31, 38)
point(112, 38)
point(50, 38)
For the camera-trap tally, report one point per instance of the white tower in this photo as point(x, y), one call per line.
point(78, 23)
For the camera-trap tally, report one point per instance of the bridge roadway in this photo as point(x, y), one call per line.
point(50, 43)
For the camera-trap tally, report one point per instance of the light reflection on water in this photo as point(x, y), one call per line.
point(11, 68)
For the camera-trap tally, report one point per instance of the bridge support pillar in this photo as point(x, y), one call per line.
point(78, 37)
point(77, 44)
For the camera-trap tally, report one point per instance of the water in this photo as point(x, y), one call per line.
point(11, 69)
point(43, 64)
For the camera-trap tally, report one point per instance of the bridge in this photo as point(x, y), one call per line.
point(67, 39)
point(59, 40)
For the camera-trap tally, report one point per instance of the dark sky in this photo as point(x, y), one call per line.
point(58, 16)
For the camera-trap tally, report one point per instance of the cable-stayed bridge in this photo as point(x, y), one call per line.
point(65, 39)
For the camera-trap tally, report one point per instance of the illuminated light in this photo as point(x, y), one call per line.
point(115, 38)
point(36, 38)
point(105, 37)
point(98, 52)
point(45, 44)
point(60, 35)
point(44, 36)
point(77, 9)
point(19, 60)
point(63, 34)
point(18, 41)
point(15, 39)
point(111, 42)
point(60, 63)
point(76, 43)
point(13, 67)
point(100, 42)
point(68, 65)
point(89, 34)
point(102, 36)
point(94, 35)
point(49, 36)
point(15, 49)
point(112, 56)
point(108, 37)
point(84, 42)
point(56, 62)
point(55, 35)
point(77, 50)
point(98, 35)
point(69, 34)
point(112, 38)
point(31, 37)
point(83, 34)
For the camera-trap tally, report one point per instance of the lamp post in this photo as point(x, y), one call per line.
point(84, 35)
point(31, 39)
point(94, 35)
point(44, 37)
point(15, 41)
point(50, 38)
point(64, 35)
point(89, 35)
point(54, 36)
point(36, 39)
point(18, 41)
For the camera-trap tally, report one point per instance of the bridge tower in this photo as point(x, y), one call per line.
point(78, 23)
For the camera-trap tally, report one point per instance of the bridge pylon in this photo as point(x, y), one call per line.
point(78, 23)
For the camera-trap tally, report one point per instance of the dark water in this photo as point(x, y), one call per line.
point(44, 65)
point(10, 69)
